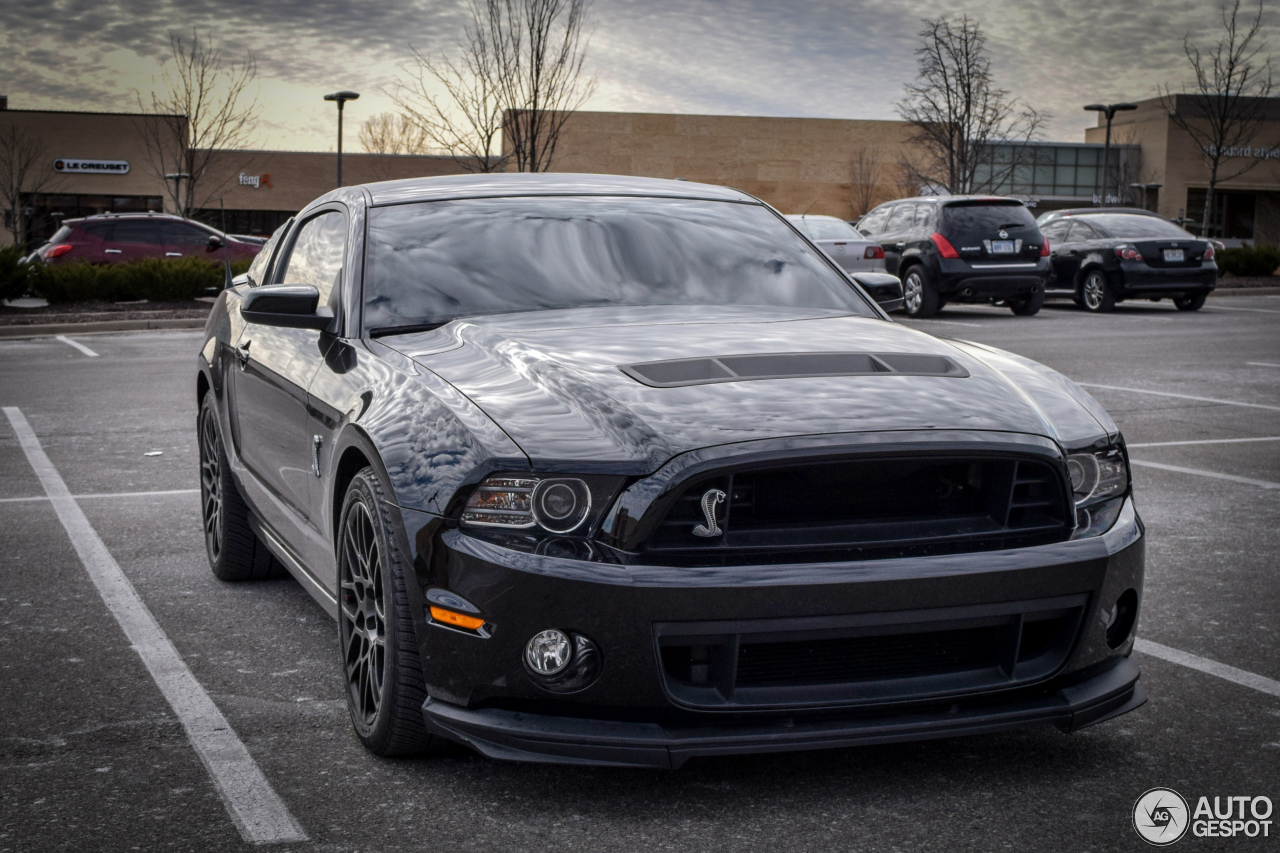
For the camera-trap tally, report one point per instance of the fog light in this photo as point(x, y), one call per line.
point(1120, 621)
point(548, 652)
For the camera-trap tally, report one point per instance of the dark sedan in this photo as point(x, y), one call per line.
point(1102, 258)
point(624, 471)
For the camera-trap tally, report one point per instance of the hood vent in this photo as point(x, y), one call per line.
point(788, 365)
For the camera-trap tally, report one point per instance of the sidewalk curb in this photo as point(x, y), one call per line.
point(1245, 291)
point(40, 331)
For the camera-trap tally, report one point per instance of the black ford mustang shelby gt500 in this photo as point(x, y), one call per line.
point(615, 470)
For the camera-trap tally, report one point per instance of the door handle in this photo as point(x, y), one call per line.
point(111, 251)
point(898, 247)
point(173, 254)
point(242, 354)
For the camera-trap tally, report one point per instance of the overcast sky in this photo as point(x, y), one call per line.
point(816, 58)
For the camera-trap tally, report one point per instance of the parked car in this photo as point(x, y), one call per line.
point(863, 259)
point(962, 249)
point(1050, 215)
point(113, 238)
point(1102, 258)
point(582, 481)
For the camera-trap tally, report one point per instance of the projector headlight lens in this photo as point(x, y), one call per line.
point(551, 503)
point(1097, 476)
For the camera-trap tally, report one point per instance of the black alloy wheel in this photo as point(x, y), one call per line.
point(234, 550)
point(918, 294)
point(1095, 294)
point(1191, 302)
point(385, 685)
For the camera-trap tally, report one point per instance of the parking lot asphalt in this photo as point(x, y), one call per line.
point(93, 756)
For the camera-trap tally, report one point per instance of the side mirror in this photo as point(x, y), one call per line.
point(292, 306)
point(215, 243)
point(884, 288)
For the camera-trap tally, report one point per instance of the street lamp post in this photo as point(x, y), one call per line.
point(177, 178)
point(341, 98)
point(1110, 110)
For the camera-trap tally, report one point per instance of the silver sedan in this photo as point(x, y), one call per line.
point(841, 241)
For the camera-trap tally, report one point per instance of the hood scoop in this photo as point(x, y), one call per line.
point(788, 365)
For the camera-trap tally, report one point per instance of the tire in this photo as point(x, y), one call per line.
point(380, 663)
point(1194, 302)
point(920, 298)
point(1026, 306)
point(1095, 294)
point(234, 550)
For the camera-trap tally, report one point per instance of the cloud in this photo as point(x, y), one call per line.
point(819, 58)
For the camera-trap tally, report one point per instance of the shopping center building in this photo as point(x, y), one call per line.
point(98, 162)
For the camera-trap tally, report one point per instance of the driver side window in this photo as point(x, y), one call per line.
point(317, 255)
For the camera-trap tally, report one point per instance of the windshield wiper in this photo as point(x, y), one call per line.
point(405, 330)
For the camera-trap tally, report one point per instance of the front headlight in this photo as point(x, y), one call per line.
point(550, 502)
point(1099, 483)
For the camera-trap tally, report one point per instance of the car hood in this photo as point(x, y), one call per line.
point(553, 380)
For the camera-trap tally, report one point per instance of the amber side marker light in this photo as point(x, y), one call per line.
point(448, 617)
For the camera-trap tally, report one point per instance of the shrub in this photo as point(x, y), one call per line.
point(153, 279)
point(15, 279)
point(1260, 260)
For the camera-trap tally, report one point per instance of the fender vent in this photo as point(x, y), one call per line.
point(789, 365)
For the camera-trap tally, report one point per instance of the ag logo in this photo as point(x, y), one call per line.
point(1160, 816)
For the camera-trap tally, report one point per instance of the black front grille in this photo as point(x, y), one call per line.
point(867, 509)
point(867, 659)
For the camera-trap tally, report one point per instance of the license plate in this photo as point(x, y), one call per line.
point(1173, 256)
point(1002, 247)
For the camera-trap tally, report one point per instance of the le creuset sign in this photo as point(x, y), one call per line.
point(91, 167)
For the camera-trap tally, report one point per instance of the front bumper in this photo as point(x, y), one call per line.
point(634, 715)
point(519, 736)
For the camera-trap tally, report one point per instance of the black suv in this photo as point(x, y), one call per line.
point(962, 249)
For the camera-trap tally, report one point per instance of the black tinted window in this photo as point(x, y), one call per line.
point(1080, 232)
point(985, 217)
point(1056, 230)
point(901, 218)
point(316, 257)
point(186, 236)
point(135, 232)
point(100, 230)
point(1128, 225)
point(429, 263)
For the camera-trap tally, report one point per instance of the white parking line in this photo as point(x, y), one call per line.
point(108, 495)
point(258, 812)
point(1263, 484)
point(84, 349)
point(1261, 364)
point(1180, 396)
point(1237, 676)
point(1204, 441)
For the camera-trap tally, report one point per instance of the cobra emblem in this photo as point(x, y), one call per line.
point(711, 499)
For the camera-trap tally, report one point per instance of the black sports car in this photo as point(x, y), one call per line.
point(1104, 257)
point(624, 471)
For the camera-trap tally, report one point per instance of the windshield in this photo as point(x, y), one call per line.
point(429, 263)
point(1127, 225)
point(827, 229)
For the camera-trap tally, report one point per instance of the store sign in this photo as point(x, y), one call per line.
point(256, 181)
point(91, 167)
point(1244, 151)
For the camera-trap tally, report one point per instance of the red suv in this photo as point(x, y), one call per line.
point(113, 238)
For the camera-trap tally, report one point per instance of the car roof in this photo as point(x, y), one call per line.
point(496, 185)
point(140, 214)
point(952, 199)
point(1093, 211)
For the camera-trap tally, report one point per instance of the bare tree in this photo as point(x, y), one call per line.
point(958, 114)
point(26, 170)
point(1224, 111)
point(518, 77)
point(864, 174)
point(393, 133)
point(202, 105)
